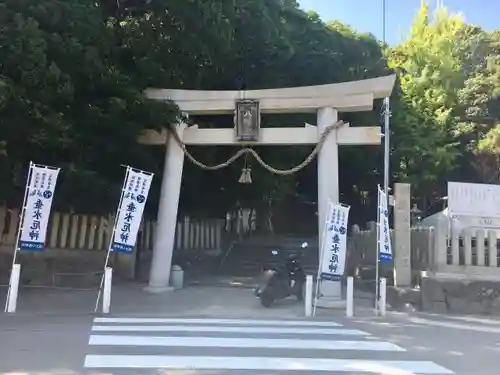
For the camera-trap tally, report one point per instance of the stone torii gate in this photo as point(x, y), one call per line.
point(326, 100)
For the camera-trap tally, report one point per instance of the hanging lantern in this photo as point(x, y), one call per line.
point(247, 120)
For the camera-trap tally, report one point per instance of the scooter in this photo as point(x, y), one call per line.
point(282, 280)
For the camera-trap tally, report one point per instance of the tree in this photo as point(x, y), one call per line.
point(255, 44)
point(72, 75)
point(479, 117)
point(442, 89)
point(67, 101)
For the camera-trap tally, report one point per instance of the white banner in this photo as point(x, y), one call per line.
point(134, 196)
point(40, 193)
point(384, 233)
point(334, 242)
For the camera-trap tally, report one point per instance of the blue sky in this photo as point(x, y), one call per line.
point(366, 15)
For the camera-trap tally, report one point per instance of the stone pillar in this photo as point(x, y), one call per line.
point(164, 238)
point(328, 189)
point(402, 235)
point(440, 248)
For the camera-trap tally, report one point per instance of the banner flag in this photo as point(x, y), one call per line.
point(384, 233)
point(40, 193)
point(334, 249)
point(129, 215)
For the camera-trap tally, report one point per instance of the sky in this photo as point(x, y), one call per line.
point(367, 15)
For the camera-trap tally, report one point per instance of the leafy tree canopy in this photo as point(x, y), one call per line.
point(72, 74)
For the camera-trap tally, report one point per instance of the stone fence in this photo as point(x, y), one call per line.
point(467, 253)
point(84, 232)
point(456, 268)
point(443, 250)
point(464, 272)
point(76, 247)
point(362, 245)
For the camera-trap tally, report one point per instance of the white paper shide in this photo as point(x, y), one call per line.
point(134, 196)
point(40, 193)
point(384, 236)
point(334, 242)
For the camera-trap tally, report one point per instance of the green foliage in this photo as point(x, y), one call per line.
point(72, 75)
point(448, 74)
point(66, 100)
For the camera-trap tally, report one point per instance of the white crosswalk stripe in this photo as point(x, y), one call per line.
point(246, 345)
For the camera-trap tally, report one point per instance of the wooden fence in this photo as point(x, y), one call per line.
point(84, 232)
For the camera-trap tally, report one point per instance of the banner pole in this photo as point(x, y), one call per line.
point(377, 261)
point(111, 238)
point(19, 229)
point(320, 261)
point(320, 264)
point(387, 150)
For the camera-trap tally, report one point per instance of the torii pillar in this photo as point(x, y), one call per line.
point(326, 100)
point(330, 292)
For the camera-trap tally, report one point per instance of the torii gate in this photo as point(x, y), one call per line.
point(326, 100)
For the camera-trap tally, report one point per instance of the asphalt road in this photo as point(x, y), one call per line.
point(394, 345)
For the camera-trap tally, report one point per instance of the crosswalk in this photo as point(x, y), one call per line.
point(245, 345)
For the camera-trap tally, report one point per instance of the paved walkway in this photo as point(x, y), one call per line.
point(202, 301)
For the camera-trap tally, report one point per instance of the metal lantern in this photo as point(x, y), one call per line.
point(247, 120)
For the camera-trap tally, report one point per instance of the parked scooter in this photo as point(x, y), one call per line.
point(282, 280)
